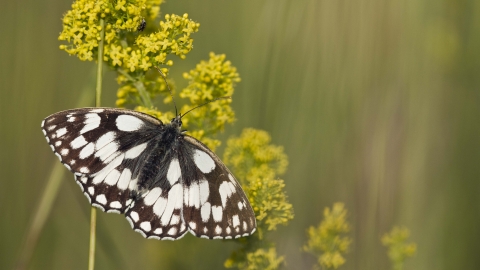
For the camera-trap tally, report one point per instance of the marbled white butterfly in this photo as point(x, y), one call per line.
point(164, 181)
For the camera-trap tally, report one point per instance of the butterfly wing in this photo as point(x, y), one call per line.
point(215, 205)
point(104, 148)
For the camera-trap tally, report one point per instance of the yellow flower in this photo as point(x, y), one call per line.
point(327, 241)
point(398, 249)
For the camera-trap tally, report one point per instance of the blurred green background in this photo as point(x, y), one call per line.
point(376, 102)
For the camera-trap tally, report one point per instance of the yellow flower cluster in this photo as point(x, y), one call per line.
point(252, 156)
point(259, 259)
point(152, 49)
point(81, 24)
point(326, 241)
point(398, 249)
point(173, 38)
point(257, 163)
point(81, 29)
point(209, 80)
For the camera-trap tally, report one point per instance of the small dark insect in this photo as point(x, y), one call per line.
point(142, 25)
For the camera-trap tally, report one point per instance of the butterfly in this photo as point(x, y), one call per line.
point(165, 182)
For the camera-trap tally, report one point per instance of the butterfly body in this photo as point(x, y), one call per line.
point(164, 181)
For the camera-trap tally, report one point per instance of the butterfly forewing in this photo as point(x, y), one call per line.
point(165, 182)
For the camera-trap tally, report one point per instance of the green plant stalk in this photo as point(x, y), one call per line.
point(147, 102)
point(98, 95)
point(41, 215)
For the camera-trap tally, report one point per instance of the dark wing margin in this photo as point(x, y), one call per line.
point(215, 205)
point(102, 147)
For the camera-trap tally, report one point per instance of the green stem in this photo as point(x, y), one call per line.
point(147, 102)
point(93, 215)
point(100, 64)
point(41, 215)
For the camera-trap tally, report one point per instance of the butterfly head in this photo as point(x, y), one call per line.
point(177, 121)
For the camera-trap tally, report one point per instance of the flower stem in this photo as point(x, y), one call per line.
point(100, 64)
point(147, 102)
point(98, 95)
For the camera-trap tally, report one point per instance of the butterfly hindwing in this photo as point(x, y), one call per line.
point(158, 214)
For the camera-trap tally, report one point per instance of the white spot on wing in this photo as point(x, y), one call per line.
point(135, 151)
point(217, 213)
point(84, 170)
point(87, 151)
point(204, 191)
point(58, 143)
point(218, 230)
point(112, 177)
point(91, 190)
point(192, 196)
point(107, 151)
point(101, 199)
point(52, 127)
point(175, 193)
point(124, 179)
point(235, 221)
point(91, 122)
point(78, 142)
point(225, 192)
point(152, 196)
point(175, 219)
point(104, 140)
point(158, 231)
point(240, 205)
point(60, 132)
point(159, 206)
point(100, 176)
point(172, 231)
point(133, 184)
point(64, 152)
point(128, 123)
point(203, 161)
point(205, 212)
point(115, 204)
point(146, 226)
point(174, 172)
point(97, 110)
point(134, 216)
point(192, 225)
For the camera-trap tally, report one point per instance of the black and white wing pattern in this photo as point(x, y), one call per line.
point(165, 182)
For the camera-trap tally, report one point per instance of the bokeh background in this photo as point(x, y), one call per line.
point(377, 104)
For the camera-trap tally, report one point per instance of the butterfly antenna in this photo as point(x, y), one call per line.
point(168, 86)
point(204, 104)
